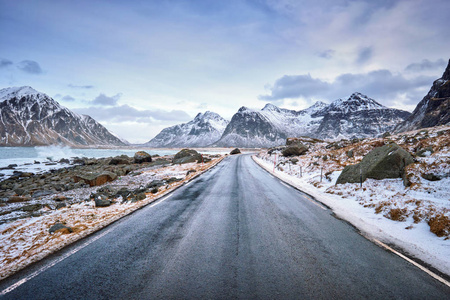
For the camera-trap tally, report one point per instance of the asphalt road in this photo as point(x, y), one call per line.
point(234, 232)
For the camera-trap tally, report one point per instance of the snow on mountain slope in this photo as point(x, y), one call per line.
point(31, 118)
point(358, 116)
point(18, 92)
point(205, 129)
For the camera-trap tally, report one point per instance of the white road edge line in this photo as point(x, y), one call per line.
point(162, 200)
point(51, 264)
point(435, 276)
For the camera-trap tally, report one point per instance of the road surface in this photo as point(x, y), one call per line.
point(235, 232)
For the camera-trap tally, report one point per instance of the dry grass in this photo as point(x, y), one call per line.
point(397, 214)
point(414, 202)
point(440, 225)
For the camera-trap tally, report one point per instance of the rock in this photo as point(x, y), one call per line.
point(60, 205)
point(60, 228)
point(142, 157)
point(124, 193)
point(79, 161)
point(42, 193)
point(187, 156)
point(37, 162)
point(386, 134)
point(102, 201)
point(292, 141)
point(294, 161)
point(26, 174)
point(190, 171)
point(235, 151)
point(423, 152)
point(20, 191)
point(154, 190)
point(140, 196)
point(59, 198)
point(31, 207)
point(350, 154)
point(294, 150)
point(95, 179)
point(15, 199)
point(172, 179)
point(120, 160)
point(325, 157)
point(155, 183)
point(431, 177)
point(106, 190)
point(64, 161)
point(388, 161)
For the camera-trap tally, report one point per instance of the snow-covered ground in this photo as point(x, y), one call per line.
point(25, 241)
point(382, 209)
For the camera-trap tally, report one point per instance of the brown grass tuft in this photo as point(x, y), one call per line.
point(440, 225)
point(397, 214)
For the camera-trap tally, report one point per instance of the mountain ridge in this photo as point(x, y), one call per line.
point(32, 118)
point(203, 130)
point(433, 109)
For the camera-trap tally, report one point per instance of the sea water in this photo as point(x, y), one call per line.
point(40, 159)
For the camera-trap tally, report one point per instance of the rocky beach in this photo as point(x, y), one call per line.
point(40, 213)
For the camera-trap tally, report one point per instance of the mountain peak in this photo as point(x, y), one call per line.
point(318, 106)
point(244, 109)
point(356, 102)
point(270, 107)
point(18, 92)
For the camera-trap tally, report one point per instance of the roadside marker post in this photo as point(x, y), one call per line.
point(360, 176)
point(274, 163)
point(321, 170)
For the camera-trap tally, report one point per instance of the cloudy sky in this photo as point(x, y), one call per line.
point(140, 66)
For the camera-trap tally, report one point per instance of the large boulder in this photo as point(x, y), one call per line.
point(120, 160)
point(295, 150)
point(95, 179)
point(235, 151)
point(388, 161)
point(187, 156)
point(142, 157)
point(58, 227)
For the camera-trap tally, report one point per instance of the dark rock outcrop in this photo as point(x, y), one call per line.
point(235, 151)
point(95, 179)
point(142, 157)
point(187, 156)
point(388, 161)
point(120, 160)
point(434, 109)
point(59, 227)
point(295, 150)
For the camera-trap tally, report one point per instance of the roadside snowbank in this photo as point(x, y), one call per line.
point(356, 205)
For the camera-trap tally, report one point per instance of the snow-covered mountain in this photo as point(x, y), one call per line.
point(433, 110)
point(357, 116)
point(269, 126)
point(31, 118)
point(204, 130)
